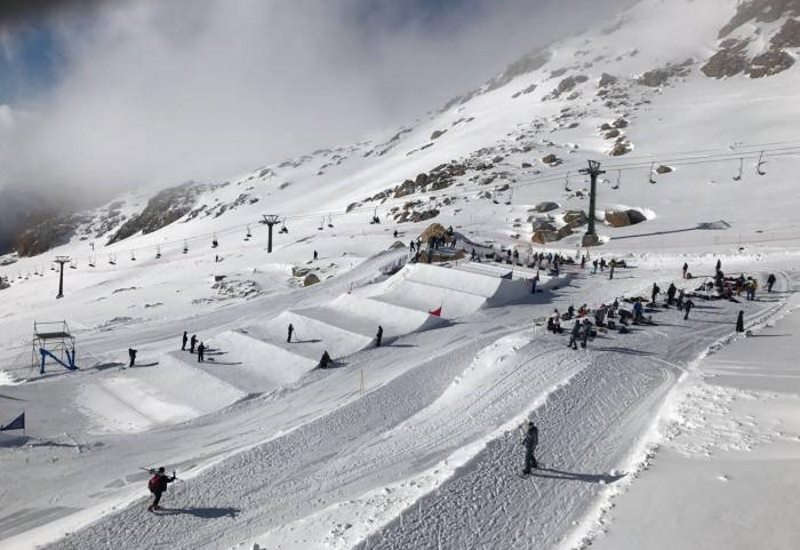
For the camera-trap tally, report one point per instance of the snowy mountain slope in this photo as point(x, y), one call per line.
point(285, 456)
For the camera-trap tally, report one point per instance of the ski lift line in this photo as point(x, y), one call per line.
point(732, 155)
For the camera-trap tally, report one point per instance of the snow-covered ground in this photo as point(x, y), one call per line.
point(417, 444)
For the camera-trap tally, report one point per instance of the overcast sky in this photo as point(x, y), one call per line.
point(106, 95)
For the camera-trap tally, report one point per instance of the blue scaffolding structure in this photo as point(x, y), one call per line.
point(53, 339)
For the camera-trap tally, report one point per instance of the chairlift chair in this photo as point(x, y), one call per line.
point(738, 176)
point(321, 224)
point(133, 256)
point(650, 177)
point(112, 259)
point(158, 253)
point(185, 246)
point(760, 166)
point(330, 221)
point(214, 241)
point(619, 180)
point(248, 235)
point(566, 183)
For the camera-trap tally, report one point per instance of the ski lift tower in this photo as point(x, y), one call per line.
point(591, 238)
point(61, 260)
point(270, 220)
point(54, 340)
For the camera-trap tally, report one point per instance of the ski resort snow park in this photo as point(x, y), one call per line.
point(412, 275)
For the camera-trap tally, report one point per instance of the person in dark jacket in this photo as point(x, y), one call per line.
point(587, 330)
point(325, 360)
point(184, 340)
point(671, 290)
point(291, 331)
point(770, 282)
point(655, 292)
point(131, 356)
point(687, 307)
point(719, 266)
point(157, 485)
point(192, 343)
point(740, 322)
point(685, 269)
point(574, 335)
point(531, 441)
point(379, 337)
point(201, 351)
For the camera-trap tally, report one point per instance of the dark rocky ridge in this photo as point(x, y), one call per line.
point(164, 208)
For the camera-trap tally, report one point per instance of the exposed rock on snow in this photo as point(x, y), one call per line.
point(546, 207)
point(575, 218)
point(310, 279)
point(166, 207)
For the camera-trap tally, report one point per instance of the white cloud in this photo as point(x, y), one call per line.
point(160, 92)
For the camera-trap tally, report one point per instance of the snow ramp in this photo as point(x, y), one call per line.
point(459, 291)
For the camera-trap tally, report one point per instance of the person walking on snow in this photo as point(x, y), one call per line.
point(201, 350)
point(192, 343)
point(379, 337)
point(157, 485)
point(291, 331)
point(132, 356)
point(770, 282)
point(611, 271)
point(587, 330)
point(184, 340)
point(534, 282)
point(655, 292)
point(595, 264)
point(531, 441)
point(740, 322)
point(671, 293)
point(687, 307)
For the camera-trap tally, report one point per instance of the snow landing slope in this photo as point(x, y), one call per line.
point(413, 444)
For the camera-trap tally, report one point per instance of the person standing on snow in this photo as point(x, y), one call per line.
point(671, 293)
point(740, 322)
point(201, 350)
point(587, 330)
point(595, 263)
point(687, 307)
point(681, 295)
point(655, 292)
point(574, 335)
point(379, 337)
point(131, 356)
point(531, 441)
point(291, 331)
point(192, 343)
point(157, 485)
point(534, 282)
point(719, 266)
point(184, 340)
point(611, 270)
point(770, 282)
point(685, 269)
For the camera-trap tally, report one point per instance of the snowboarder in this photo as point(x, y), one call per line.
point(325, 360)
point(379, 337)
point(531, 441)
point(685, 269)
point(184, 340)
point(132, 356)
point(770, 282)
point(316, 255)
point(687, 307)
point(192, 343)
point(157, 485)
point(655, 292)
point(740, 322)
point(574, 334)
point(201, 350)
point(291, 331)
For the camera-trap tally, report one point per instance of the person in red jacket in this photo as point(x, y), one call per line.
point(157, 485)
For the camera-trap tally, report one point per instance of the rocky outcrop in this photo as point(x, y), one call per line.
point(575, 218)
point(660, 77)
point(45, 230)
point(310, 279)
point(635, 216)
point(166, 207)
point(616, 218)
point(551, 160)
point(546, 207)
point(760, 11)
point(607, 80)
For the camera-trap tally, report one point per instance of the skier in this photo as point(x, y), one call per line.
point(638, 312)
point(687, 307)
point(291, 331)
point(534, 282)
point(201, 350)
point(574, 334)
point(325, 360)
point(531, 441)
point(379, 337)
point(655, 292)
point(595, 263)
point(132, 356)
point(603, 264)
point(681, 295)
point(316, 255)
point(157, 485)
point(192, 343)
point(184, 340)
point(412, 246)
point(611, 270)
point(685, 269)
point(740, 322)
point(770, 282)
